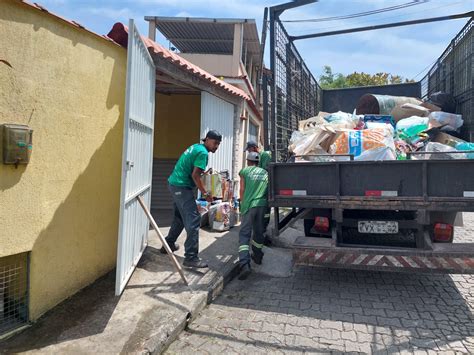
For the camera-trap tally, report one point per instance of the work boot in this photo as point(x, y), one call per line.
point(245, 271)
point(195, 263)
point(257, 258)
point(173, 248)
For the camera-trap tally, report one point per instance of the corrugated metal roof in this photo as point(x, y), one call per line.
point(119, 33)
point(206, 35)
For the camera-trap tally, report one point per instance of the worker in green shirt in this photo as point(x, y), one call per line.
point(253, 204)
point(265, 157)
point(185, 177)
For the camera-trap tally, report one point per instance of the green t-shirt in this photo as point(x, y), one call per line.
point(256, 188)
point(195, 156)
point(265, 158)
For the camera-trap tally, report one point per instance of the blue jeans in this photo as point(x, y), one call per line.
point(186, 216)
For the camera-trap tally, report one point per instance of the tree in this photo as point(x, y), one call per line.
point(330, 80)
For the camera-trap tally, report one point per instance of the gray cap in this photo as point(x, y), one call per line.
point(253, 156)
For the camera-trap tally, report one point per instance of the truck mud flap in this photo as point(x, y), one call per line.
point(444, 258)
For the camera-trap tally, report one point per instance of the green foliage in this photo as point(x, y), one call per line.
point(330, 80)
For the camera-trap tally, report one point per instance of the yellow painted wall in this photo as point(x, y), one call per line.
point(68, 85)
point(177, 124)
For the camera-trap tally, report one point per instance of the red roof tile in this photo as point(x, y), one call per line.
point(119, 33)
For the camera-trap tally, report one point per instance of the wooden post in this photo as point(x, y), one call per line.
point(163, 240)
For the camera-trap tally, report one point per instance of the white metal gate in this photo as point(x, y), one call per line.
point(219, 115)
point(137, 157)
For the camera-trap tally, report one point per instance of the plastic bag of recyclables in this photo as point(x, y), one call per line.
point(220, 216)
point(213, 182)
point(409, 128)
point(315, 135)
point(381, 153)
point(336, 120)
point(439, 118)
point(313, 141)
point(466, 146)
point(438, 147)
point(340, 120)
point(358, 142)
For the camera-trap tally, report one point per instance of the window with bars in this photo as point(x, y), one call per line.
point(13, 292)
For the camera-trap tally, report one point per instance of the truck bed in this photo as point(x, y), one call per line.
point(431, 185)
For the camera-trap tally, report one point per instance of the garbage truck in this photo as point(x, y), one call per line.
point(388, 215)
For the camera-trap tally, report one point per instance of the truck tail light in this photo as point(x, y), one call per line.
point(321, 224)
point(443, 232)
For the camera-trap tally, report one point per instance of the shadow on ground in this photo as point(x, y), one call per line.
point(154, 304)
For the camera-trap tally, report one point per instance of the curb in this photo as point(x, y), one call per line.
point(158, 343)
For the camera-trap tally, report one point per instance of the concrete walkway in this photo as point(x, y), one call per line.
point(154, 308)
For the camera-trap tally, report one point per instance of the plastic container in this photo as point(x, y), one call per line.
point(380, 119)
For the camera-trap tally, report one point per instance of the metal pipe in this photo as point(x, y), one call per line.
point(259, 72)
point(290, 5)
point(265, 113)
point(272, 114)
point(387, 25)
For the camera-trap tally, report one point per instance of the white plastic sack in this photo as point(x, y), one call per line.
point(219, 216)
point(438, 147)
point(382, 153)
point(312, 122)
point(338, 116)
point(410, 127)
point(439, 118)
point(409, 122)
point(343, 120)
point(312, 142)
point(355, 142)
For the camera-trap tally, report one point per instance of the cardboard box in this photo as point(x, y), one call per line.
point(408, 110)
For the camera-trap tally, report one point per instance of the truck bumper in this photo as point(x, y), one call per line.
point(443, 258)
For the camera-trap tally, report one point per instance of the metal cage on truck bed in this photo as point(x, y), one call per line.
point(292, 94)
point(421, 188)
point(453, 73)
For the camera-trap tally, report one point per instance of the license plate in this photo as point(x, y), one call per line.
point(378, 227)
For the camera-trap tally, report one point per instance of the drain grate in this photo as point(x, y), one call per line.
point(13, 292)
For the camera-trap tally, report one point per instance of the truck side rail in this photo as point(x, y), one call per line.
point(444, 185)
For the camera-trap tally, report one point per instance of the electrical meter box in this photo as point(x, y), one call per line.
point(17, 144)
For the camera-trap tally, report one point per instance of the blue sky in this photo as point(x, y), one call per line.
point(405, 51)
